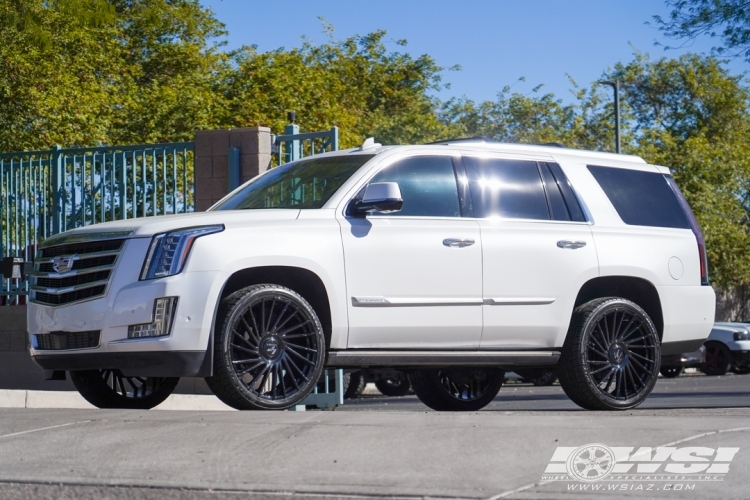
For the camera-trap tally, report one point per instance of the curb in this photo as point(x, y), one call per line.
point(73, 400)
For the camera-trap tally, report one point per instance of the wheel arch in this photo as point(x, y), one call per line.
point(637, 290)
point(303, 281)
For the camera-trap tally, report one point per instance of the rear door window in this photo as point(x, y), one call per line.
point(507, 188)
point(641, 198)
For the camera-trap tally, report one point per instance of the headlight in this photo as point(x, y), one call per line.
point(742, 335)
point(169, 251)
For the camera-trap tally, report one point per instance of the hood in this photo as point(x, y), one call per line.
point(145, 227)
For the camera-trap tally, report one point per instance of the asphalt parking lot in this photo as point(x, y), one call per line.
point(372, 447)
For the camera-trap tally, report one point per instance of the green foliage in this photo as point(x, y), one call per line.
point(726, 19)
point(89, 72)
point(355, 84)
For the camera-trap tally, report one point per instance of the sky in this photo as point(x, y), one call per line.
point(495, 42)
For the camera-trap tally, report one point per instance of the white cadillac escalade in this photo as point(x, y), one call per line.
point(452, 262)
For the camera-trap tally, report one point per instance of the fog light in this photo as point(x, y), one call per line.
point(164, 309)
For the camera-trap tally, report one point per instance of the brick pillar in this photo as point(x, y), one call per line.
point(212, 160)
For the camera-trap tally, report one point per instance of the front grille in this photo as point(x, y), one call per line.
point(78, 279)
point(74, 272)
point(46, 267)
point(58, 341)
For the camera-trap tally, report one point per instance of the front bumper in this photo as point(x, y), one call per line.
point(130, 302)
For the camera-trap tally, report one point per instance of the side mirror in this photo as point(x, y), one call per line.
point(379, 197)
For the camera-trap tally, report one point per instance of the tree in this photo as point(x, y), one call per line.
point(354, 83)
point(129, 71)
point(725, 19)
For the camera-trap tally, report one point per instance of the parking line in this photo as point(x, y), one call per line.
point(44, 428)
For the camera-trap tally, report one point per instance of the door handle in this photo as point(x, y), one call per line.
point(458, 242)
point(571, 244)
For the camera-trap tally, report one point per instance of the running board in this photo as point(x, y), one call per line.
point(366, 358)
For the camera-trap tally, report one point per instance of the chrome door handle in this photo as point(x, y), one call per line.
point(458, 242)
point(571, 244)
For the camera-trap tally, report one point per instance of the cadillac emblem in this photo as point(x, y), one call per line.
point(62, 264)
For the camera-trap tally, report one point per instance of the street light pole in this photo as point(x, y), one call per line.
point(616, 86)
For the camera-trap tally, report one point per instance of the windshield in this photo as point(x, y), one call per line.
point(301, 184)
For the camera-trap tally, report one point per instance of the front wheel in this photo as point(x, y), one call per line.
point(269, 349)
point(112, 389)
point(611, 355)
point(457, 389)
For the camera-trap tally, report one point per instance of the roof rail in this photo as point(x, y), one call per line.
point(489, 139)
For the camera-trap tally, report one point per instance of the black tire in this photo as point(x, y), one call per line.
point(354, 383)
point(742, 369)
point(394, 386)
point(609, 340)
point(269, 349)
point(457, 389)
point(718, 359)
point(111, 389)
point(670, 371)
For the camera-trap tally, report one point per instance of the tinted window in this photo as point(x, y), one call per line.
point(557, 206)
point(507, 188)
point(571, 202)
point(428, 186)
point(301, 184)
point(641, 198)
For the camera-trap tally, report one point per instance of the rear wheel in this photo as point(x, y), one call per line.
point(670, 371)
point(457, 389)
point(269, 349)
point(718, 359)
point(112, 389)
point(397, 385)
point(610, 359)
point(354, 383)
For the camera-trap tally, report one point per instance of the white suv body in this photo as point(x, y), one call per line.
point(391, 288)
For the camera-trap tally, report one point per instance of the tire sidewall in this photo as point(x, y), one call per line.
point(582, 353)
point(232, 315)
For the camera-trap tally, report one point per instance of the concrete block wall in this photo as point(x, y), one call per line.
point(212, 160)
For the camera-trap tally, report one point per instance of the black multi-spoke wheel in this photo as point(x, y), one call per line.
point(457, 389)
point(718, 359)
point(269, 349)
point(396, 384)
point(671, 371)
point(610, 359)
point(112, 389)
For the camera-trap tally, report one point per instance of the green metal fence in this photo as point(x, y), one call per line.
point(46, 192)
point(294, 145)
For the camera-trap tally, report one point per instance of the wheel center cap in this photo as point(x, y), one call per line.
point(617, 354)
point(270, 347)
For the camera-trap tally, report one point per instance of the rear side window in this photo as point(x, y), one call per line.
point(507, 188)
point(641, 198)
point(428, 186)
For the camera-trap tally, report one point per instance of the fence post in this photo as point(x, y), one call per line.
point(58, 186)
point(234, 169)
point(214, 156)
point(291, 147)
point(334, 138)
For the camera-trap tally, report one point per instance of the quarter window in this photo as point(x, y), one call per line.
point(507, 188)
point(428, 186)
point(641, 198)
